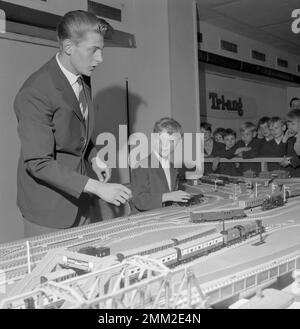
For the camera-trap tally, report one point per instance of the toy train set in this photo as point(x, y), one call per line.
point(203, 246)
point(189, 246)
point(170, 252)
point(267, 202)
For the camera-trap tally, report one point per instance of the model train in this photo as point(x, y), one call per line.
point(265, 201)
point(207, 216)
point(193, 201)
point(159, 246)
point(95, 251)
point(272, 202)
point(205, 245)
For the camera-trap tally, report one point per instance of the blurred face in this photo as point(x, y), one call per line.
point(247, 135)
point(259, 133)
point(265, 131)
point(229, 141)
point(166, 143)
point(277, 129)
point(207, 134)
point(219, 138)
point(293, 126)
point(86, 55)
point(295, 105)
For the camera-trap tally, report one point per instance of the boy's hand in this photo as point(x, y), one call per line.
point(240, 150)
point(286, 136)
point(101, 169)
point(215, 163)
point(177, 196)
point(285, 162)
point(109, 192)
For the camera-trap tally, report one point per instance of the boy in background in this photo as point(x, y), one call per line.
point(292, 159)
point(219, 134)
point(263, 126)
point(275, 147)
point(248, 147)
point(228, 168)
point(154, 179)
point(212, 148)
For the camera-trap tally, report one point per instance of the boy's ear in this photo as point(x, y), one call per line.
point(67, 46)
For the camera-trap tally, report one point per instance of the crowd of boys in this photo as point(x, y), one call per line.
point(271, 138)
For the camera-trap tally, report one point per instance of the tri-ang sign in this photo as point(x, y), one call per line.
point(230, 105)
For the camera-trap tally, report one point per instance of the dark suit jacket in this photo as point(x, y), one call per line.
point(255, 145)
point(55, 146)
point(294, 168)
point(270, 149)
point(218, 150)
point(149, 184)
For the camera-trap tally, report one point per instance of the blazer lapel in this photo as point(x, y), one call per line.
point(174, 175)
point(163, 177)
point(159, 171)
point(90, 120)
point(61, 83)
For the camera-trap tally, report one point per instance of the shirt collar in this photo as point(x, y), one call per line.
point(72, 78)
point(164, 162)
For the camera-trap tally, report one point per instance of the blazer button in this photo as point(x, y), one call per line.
point(82, 139)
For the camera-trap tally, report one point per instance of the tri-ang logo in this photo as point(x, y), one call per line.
point(296, 23)
point(220, 103)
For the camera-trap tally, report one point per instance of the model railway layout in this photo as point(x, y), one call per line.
point(218, 219)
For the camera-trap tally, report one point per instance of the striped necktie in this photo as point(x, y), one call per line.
point(82, 99)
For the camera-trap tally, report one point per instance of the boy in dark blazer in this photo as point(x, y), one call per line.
point(229, 168)
point(292, 159)
point(56, 188)
point(248, 147)
point(274, 147)
point(154, 180)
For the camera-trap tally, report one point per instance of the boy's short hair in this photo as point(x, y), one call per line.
point(206, 126)
point(294, 99)
point(275, 120)
point(262, 121)
point(294, 114)
point(248, 126)
point(220, 131)
point(229, 132)
point(74, 24)
point(168, 124)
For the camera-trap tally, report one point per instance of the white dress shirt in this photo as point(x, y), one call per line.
point(72, 78)
point(165, 163)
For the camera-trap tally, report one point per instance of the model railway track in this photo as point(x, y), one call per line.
point(78, 231)
point(18, 267)
point(62, 239)
point(70, 239)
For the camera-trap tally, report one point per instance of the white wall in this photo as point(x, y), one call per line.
point(17, 61)
point(184, 63)
point(150, 77)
